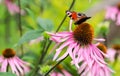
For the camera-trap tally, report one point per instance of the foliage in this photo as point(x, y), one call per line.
point(43, 16)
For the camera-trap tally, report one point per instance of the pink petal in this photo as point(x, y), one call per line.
point(111, 53)
point(1, 59)
point(112, 15)
point(4, 65)
point(53, 74)
point(23, 64)
point(18, 66)
point(58, 51)
point(100, 39)
point(66, 73)
point(118, 19)
point(12, 65)
point(82, 67)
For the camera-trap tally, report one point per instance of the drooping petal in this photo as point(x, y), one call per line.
point(4, 65)
point(100, 39)
point(13, 67)
point(69, 50)
point(1, 59)
point(118, 19)
point(23, 64)
point(18, 66)
point(111, 53)
point(66, 73)
point(58, 51)
point(25, 68)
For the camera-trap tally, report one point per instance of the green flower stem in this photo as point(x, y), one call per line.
point(20, 24)
point(50, 42)
point(19, 18)
point(39, 61)
point(55, 66)
point(44, 52)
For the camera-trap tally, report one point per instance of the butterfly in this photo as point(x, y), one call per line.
point(78, 18)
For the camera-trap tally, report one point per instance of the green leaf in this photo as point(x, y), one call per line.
point(6, 74)
point(30, 35)
point(45, 24)
point(30, 13)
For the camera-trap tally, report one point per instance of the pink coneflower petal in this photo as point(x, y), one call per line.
point(60, 34)
point(66, 73)
point(111, 53)
point(18, 66)
point(69, 50)
point(97, 56)
point(112, 15)
point(13, 8)
point(82, 67)
point(37, 40)
point(56, 74)
point(25, 69)
point(75, 56)
point(4, 65)
point(58, 51)
point(60, 37)
point(100, 39)
point(12, 65)
point(23, 62)
point(118, 19)
point(1, 59)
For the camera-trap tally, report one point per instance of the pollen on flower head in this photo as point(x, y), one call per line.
point(8, 53)
point(102, 47)
point(116, 47)
point(83, 33)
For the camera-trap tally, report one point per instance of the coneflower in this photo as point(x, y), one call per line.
point(113, 13)
point(80, 47)
point(12, 7)
point(9, 59)
point(114, 52)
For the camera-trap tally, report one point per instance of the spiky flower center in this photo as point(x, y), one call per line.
point(116, 47)
point(102, 47)
point(83, 33)
point(8, 53)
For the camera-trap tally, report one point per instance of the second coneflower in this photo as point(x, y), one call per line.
point(80, 47)
point(113, 13)
point(12, 7)
point(9, 59)
point(114, 52)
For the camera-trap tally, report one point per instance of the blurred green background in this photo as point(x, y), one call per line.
point(45, 12)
